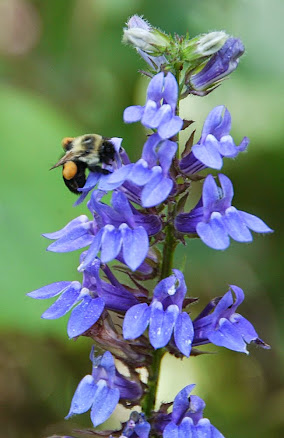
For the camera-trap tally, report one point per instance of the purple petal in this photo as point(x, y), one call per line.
point(149, 149)
point(140, 173)
point(92, 251)
point(170, 90)
point(213, 233)
point(83, 397)
point(136, 321)
point(181, 403)
point(84, 315)
point(254, 223)
point(203, 428)
point(157, 189)
point(91, 182)
point(135, 245)
point(162, 324)
point(49, 291)
point(104, 403)
point(227, 147)
point(171, 431)
point(227, 189)
point(110, 244)
point(133, 113)
point(115, 179)
point(243, 145)
point(121, 204)
point(117, 298)
point(210, 193)
point(235, 227)
point(154, 91)
point(227, 336)
point(244, 327)
point(170, 126)
point(213, 120)
point(80, 220)
point(64, 303)
point(207, 152)
point(74, 239)
point(154, 117)
point(166, 154)
point(151, 113)
point(183, 333)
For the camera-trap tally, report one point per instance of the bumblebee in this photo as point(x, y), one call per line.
point(88, 151)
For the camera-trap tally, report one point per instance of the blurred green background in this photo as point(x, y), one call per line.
point(64, 72)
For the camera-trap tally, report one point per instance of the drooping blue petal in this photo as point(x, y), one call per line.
point(104, 403)
point(254, 223)
point(49, 291)
point(213, 233)
point(136, 321)
point(140, 173)
point(227, 147)
point(235, 227)
point(80, 220)
point(207, 152)
point(83, 397)
point(84, 315)
point(162, 324)
point(92, 251)
point(244, 327)
point(170, 126)
point(142, 430)
point(64, 303)
point(115, 179)
point(91, 182)
point(183, 333)
point(171, 431)
point(187, 429)
point(135, 245)
point(205, 429)
point(110, 244)
point(227, 336)
point(77, 238)
point(133, 113)
point(151, 116)
point(157, 189)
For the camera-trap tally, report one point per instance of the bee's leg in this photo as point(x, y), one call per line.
point(98, 169)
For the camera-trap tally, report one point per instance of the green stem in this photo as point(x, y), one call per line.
point(148, 404)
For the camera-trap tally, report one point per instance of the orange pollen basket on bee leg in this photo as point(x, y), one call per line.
point(66, 141)
point(69, 170)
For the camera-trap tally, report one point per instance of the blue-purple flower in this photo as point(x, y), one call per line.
point(223, 326)
point(215, 220)
point(114, 229)
point(220, 65)
point(102, 390)
point(87, 301)
point(159, 112)
point(214, 144)
point(186, 419)
point(164, 316)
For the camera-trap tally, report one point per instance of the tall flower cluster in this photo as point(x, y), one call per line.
point(147, 218)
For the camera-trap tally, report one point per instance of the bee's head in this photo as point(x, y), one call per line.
point(79, 148)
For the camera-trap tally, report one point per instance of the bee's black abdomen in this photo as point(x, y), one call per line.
point(79, 180)
point(106, 152)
